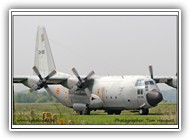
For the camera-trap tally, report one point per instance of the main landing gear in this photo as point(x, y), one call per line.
point(111, 112)
point(84, 112)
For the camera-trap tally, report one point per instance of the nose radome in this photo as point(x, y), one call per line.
point(154, 97)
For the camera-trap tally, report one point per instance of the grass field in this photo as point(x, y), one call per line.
point(164, 113)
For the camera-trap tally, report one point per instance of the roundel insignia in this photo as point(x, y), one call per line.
point(42, 38)
point(57, 90)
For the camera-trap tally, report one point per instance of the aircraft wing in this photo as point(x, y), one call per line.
point(56, 80)
point(31, 80)
point(169, 80)
point(20, 79)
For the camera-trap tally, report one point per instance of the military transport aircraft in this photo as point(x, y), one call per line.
point(86, 93)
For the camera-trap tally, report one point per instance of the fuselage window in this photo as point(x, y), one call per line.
point(140, 91)
point(140, 83)
point(137, 83)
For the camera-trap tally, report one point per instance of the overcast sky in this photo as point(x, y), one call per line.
point(114, 45)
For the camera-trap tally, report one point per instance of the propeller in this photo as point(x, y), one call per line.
point(151, 71)
point(42, 81)
point(81, 82)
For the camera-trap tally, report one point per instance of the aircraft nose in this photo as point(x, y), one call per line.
point(154, 97)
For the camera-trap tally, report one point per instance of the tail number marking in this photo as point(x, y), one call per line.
point(41, 52)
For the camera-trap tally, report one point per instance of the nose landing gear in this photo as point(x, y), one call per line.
point(143, 111)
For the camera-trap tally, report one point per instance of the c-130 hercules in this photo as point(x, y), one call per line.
point(86, 93)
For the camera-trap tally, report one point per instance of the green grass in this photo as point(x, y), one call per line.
point(25, 113)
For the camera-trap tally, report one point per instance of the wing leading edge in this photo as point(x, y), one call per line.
point(20, 79)
point(171, 81)
point(29, 81)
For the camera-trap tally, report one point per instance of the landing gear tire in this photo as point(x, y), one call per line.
point(143, 111)
point(79, 112)
point(110, 112)
point(116, 112)
point(86, 111)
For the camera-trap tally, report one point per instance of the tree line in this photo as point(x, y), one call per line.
point(34, 97)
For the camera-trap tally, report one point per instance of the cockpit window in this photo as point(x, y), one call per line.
point(151, 82)
point(140, 83)
point(147, 83)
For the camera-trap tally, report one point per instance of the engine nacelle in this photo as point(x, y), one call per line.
point(173, 82)
point(95, 101)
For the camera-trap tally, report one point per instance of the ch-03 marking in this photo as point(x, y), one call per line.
point(86, 93)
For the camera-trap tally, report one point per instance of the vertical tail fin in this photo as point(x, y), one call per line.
point(43, 56)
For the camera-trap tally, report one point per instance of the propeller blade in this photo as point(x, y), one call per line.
point(26, 91)
point(48, 90)
point(50, 74)
point(87, 92)
point(31, 89)
point(73, 89)
point(37, 72)
point(34, 88)
point(81, 85)
point(89, 75)
point(76, 74)
point(151, 71)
